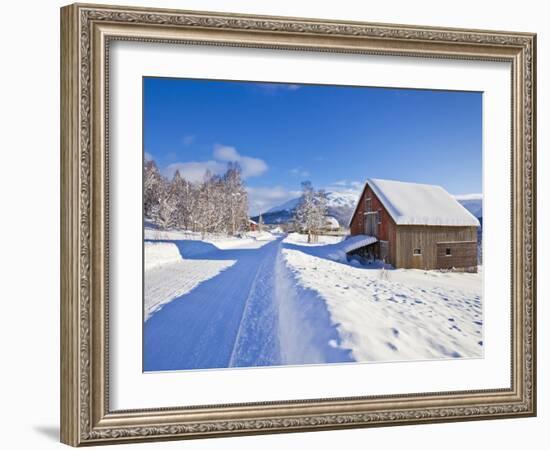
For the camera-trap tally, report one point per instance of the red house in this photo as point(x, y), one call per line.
point(416, 225)
point(252, 226)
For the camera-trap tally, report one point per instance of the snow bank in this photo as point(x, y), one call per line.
point(387, 315)
point(298, 238)
point(159, 253)
point(169, 276)
point(263, 236)
point(250, 240)
point(166, 282)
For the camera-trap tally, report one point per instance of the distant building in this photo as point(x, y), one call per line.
point(416, 225)
point(331, 223)
point(252, 226)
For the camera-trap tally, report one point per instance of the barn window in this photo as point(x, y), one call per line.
point(368, 205)
point(379, 216)
point(448, 252)
point(417, 252)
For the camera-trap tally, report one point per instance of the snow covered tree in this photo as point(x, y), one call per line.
point(260, 223)
point(218, 204)
point(178, 202)
point(310, 214)
point(235, 199)
point(153, 189)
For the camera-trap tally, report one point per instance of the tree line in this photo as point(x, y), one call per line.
point(217, 204)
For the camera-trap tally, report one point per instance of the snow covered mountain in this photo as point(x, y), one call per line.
point(340, 205)
point(472, 202)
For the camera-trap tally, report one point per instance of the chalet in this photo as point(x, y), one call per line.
point(415, 225)
point(252, 226)
point(331, 224)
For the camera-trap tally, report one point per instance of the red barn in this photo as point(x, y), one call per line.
point(416, 225)
point(252, 226)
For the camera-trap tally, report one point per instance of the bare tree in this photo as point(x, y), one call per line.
point(153, 189)
point(235, 199)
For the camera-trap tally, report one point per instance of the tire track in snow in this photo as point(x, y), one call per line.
point(256, 343)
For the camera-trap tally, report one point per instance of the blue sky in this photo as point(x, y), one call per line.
point(334, 136)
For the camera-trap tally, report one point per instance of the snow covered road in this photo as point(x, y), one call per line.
point(250, 314)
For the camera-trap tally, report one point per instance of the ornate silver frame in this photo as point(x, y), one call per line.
point(86, 31)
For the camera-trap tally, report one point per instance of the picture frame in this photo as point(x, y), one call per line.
point(87, 31)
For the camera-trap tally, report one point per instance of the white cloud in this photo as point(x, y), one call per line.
point(226, 153)
point(251, 167)
point(194, 171)
point(273, 88)
point(260, 199)
point(297, 172)
point(345, 186)
point(147, 156)
point(340, 183)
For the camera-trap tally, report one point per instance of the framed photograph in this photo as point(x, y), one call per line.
point(276, 224)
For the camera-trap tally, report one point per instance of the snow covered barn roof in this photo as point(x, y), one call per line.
point(419, 204)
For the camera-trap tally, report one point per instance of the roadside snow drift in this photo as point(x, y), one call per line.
point(250, 240)
point(167, 276)
point(159, 253)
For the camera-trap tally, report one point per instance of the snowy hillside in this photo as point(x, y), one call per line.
point(472, 202)
point(287, 206)
point(340, 206)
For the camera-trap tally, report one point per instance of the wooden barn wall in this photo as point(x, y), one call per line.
point(426, 238)
point(463, 254)
point(387, 227)
point(356, 226)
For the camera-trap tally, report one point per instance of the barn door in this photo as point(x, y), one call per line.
point(371, 224)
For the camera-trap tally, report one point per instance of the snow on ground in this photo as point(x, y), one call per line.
point(389, 315)
point(168, 272)
point(334, 248)
point(298, 238)
point(168, 276)
point(159, 253)
point(251, 239)
point(169, 281)
point(261, 300)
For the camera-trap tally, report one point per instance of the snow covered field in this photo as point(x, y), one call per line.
point(404, 314)
point(273, 299)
